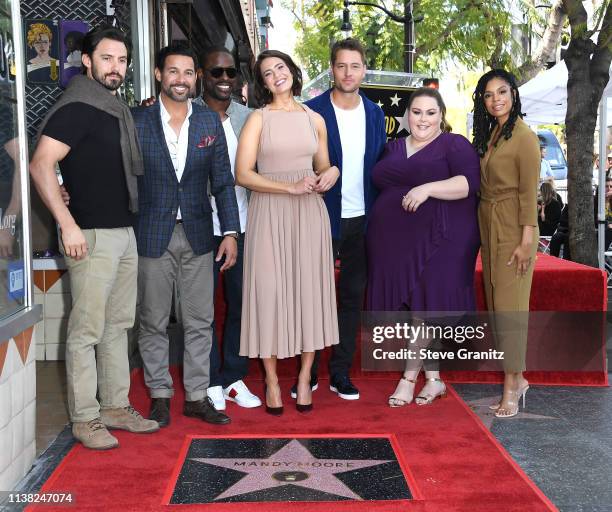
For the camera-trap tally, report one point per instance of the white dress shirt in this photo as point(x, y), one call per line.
point(177, 145)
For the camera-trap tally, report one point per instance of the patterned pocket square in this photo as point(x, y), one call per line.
point(206, 141)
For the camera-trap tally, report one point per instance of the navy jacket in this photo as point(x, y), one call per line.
point(376, 137)
point(160, 194)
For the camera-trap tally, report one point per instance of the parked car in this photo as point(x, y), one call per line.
point(554, 154)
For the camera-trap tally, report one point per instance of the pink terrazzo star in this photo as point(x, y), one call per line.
point(293, 457)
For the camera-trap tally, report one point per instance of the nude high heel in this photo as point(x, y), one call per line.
point(513, 406)
point(522, 391)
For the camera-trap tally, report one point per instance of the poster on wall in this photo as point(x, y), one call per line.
point(42, 53)
point(71, 37)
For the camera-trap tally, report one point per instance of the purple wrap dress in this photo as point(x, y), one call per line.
point(423, 260)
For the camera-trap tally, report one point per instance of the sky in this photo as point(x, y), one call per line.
point(282, 37)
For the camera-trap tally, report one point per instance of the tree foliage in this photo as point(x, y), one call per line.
point(470, 32)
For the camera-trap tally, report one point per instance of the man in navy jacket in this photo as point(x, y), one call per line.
point(356, 136)
point(184, 148)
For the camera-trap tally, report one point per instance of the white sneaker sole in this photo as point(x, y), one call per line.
point(341, 395)
point(220, 408)
point(314, 388)
point(242, 404)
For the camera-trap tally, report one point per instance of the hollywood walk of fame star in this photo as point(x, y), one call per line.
point(293, 457)
point(395, 100)
point(403, 122)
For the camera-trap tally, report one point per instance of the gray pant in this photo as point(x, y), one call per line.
point(193, 277)
point(103, 287)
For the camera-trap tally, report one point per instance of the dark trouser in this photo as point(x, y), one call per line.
point(557, 240)
point(235, 367)
point(350, 249)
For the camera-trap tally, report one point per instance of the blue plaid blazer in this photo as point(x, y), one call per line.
point(160, 194)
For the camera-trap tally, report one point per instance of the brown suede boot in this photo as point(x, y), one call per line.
point(128, 418)
point(94, 435)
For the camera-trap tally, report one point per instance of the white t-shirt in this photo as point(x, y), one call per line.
point(241, 193)
point(352, 128)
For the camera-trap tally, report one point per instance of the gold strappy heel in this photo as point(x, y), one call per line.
point(395, 400)
point(428, 399)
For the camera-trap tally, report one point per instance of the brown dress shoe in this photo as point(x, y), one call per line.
point(205, 410)
point(94, 435)
point(128, 418)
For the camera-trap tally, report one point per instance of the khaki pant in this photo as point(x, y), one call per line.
point(103, 287)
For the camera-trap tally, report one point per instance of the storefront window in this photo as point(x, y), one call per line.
point(13, 279)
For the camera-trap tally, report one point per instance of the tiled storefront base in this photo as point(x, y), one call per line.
point(52, 291)
point(18, 417)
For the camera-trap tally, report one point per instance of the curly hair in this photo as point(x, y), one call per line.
point(484, 123)
point(36, 30)
point(262, 94)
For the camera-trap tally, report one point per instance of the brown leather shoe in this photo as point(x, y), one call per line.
point(128, 418)
point(205, 410)
point(94, 435)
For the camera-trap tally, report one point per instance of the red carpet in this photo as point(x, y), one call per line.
point(456, 463)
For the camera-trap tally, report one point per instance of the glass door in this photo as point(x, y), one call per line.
point(14, 207)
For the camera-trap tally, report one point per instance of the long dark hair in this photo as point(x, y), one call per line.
point(262, 94)
point(484, 123)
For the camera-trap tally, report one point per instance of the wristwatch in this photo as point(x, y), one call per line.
point(235, 236)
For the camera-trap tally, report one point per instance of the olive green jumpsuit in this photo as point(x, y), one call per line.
point(509, 175)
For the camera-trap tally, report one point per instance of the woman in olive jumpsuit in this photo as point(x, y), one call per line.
point(507, 216)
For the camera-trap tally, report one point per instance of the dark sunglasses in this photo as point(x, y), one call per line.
point(218, 72)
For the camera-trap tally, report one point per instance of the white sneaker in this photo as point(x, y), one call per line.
point(239, 393)
point(215, 393)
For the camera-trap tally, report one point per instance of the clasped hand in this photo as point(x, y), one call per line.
point(319, 184)
point(415, 197)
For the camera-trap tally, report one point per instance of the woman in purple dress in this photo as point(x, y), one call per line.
point(423, 237)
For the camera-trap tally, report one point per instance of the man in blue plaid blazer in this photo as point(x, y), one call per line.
point(184, 149)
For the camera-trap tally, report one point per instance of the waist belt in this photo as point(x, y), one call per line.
point(499, 197)
point(494, 200)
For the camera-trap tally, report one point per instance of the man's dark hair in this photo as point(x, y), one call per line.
point(174, 49)
point(347, 44)
point(262, 94)
point(209, 50)
point(95, 35)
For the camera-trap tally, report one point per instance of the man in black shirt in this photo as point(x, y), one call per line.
point(90, 132)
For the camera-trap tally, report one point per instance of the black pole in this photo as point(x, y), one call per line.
point(408, 37)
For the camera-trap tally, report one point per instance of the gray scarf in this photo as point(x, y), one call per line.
point(86, 90)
